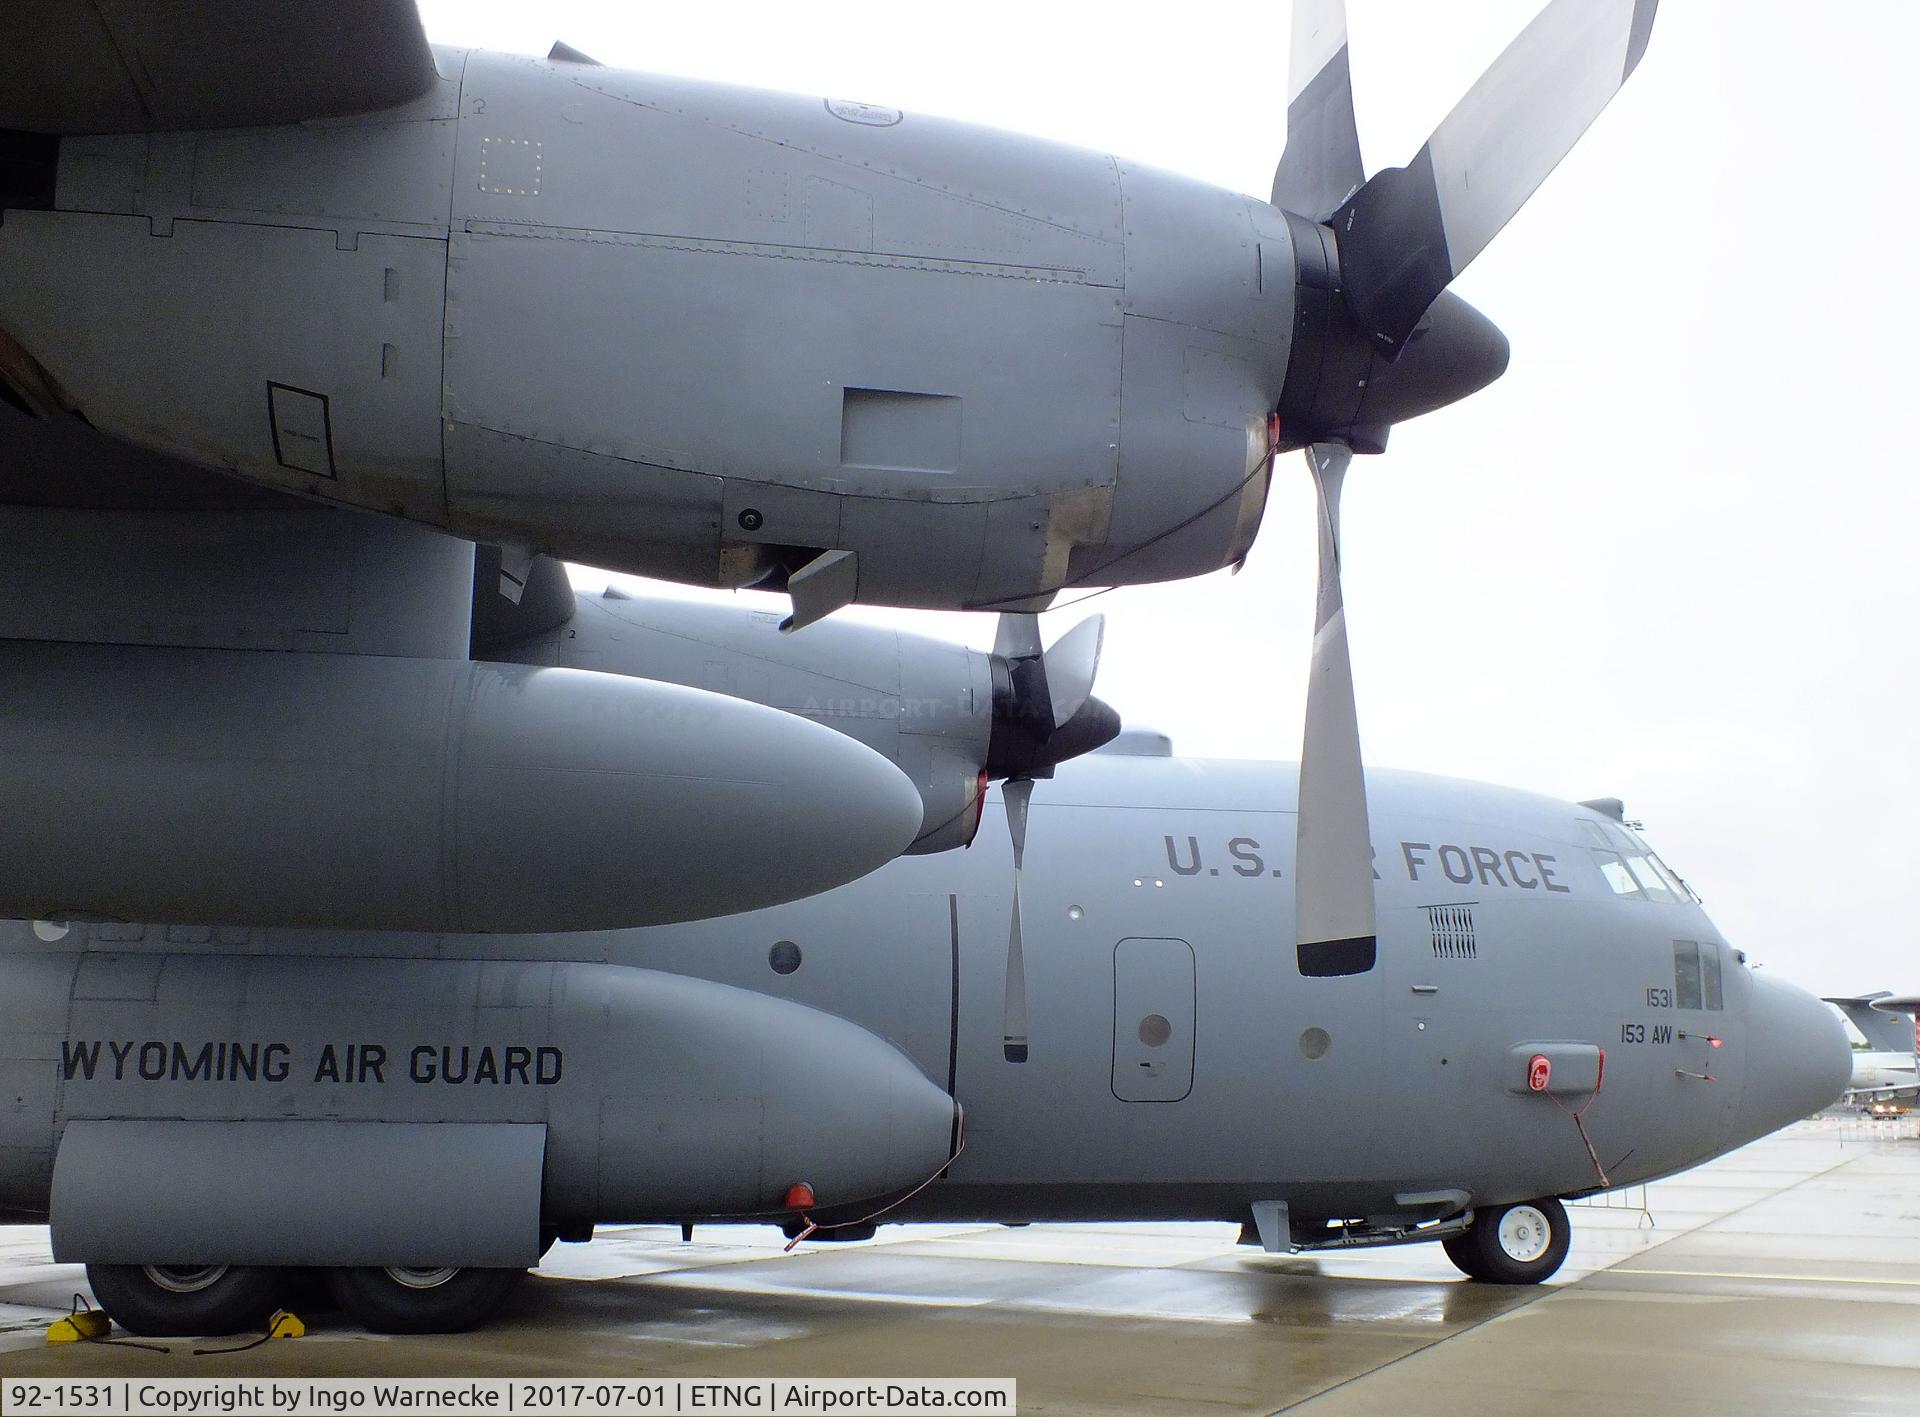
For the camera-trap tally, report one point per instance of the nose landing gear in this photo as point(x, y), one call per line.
point(1521, 1243)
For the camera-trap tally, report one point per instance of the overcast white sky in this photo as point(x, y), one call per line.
point(1670, 557)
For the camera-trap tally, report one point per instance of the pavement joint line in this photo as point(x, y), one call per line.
point(1737, 1210)
point(1540, 1294)
point(1782, 1278)
point(1543, 1293)
point(717, 1262)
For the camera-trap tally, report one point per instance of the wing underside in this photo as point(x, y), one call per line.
point(126, 66)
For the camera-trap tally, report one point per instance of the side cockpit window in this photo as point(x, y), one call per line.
point(1696, 975)
point(1686, 974)
point(1681, 890)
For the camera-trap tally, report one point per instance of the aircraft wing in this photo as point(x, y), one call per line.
point(130, 66)
point(1886, 1092)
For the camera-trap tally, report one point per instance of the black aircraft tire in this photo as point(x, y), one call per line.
point(420, 1300)
point(1522, 1243)
point(178, 1301)
point(1464, 1254)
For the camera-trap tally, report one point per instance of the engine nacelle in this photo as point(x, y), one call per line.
point(925, 705)
point(679, 329)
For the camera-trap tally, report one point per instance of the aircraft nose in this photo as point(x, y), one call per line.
point(1799, 1060)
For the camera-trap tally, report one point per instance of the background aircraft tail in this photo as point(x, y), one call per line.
point(1884, 1031)
point(1903, 1009)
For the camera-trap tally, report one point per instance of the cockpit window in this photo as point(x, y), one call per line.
point(1649, 878)
point(1629, 864)
point(1616, 872)
point(1710, 975)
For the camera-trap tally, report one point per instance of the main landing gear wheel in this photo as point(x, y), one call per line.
point(177, 1300)
point(1522, 1243)
point(423, 1299)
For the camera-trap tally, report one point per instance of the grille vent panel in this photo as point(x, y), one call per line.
point(1452, 928)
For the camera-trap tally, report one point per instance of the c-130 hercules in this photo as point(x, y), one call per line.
point(252, 262)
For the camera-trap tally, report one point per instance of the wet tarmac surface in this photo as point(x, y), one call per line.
point(1783, 1278)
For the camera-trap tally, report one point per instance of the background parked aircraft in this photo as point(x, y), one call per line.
point(1884, 1072)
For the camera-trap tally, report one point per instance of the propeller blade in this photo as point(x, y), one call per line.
point(1410, 230)
point(1071, 665)
point(1017, 635)
point(1320, 167)
point(1015, 794)
point(1333, 858)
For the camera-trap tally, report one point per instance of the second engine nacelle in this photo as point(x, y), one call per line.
point(947, 716)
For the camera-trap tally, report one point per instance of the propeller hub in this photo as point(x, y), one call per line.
point(1044, 711)
point(1342, 386)
point(1025, 742)
point(1455, 351)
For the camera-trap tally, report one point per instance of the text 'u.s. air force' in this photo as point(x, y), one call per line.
point(1462, 864)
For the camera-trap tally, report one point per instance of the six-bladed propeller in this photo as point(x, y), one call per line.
point(1044, 713)
point(1377, 339)
point(1410, 230)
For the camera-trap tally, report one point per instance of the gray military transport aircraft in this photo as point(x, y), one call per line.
point(203, 1111)
point(296, 308)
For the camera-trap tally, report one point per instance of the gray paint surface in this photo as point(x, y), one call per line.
point(601, 1092)
point(360, 1193)
point(75, 66)
point(470, 294)
point(913, 955)
point(386, 792)
point(925, 705)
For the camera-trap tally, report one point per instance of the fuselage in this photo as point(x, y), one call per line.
point(1180, 1064)
point(1160, 886)
point(1883, 1073)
